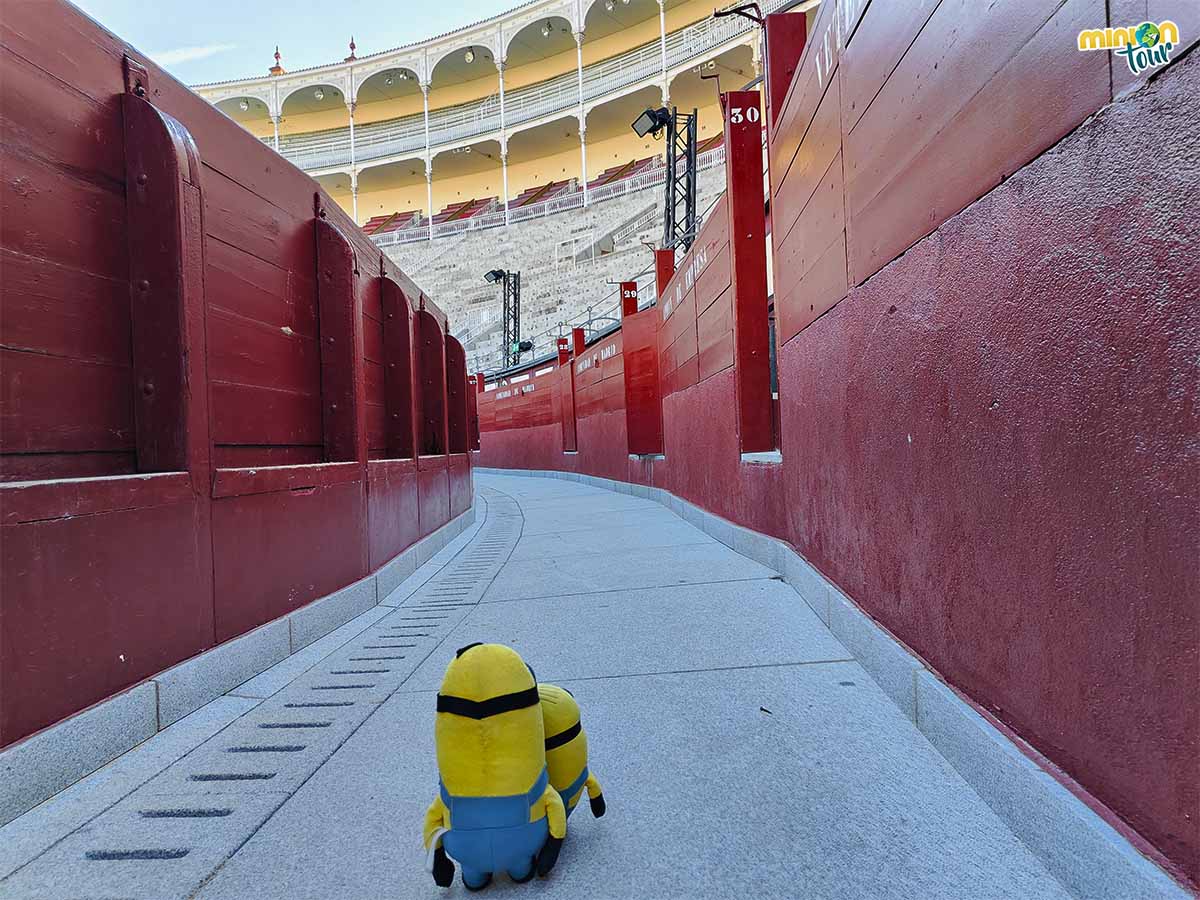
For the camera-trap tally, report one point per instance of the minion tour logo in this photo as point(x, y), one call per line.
point(1143, 46)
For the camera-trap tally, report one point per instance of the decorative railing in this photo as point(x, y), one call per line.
point(377, 140)
point(623, 188)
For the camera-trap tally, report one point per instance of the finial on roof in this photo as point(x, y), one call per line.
point(277, 69)
point(351, 57)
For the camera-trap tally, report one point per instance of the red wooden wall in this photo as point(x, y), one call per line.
point(213, 389)
point(987, 310)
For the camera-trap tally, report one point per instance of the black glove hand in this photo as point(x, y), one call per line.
point(549, 856)
point(598, 805)
point(443, 869)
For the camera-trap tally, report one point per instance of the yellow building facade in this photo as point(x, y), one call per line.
point(495, 110)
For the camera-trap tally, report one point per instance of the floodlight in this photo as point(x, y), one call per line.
point(652, 121)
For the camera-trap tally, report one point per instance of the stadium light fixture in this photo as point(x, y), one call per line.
point(652, 121)
point(495, 275)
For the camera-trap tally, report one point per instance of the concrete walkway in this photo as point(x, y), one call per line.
point(743, 753)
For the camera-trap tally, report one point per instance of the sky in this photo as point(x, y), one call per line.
point(219, 40)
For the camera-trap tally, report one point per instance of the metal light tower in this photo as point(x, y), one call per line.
point(511, 282)
point(679, 216)
point(679, 225)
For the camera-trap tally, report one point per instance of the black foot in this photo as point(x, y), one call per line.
point(486, 882)
point(598, 805)
point(529, 877)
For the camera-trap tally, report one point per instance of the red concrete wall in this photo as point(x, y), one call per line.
point(988, 322)
point(207, 420)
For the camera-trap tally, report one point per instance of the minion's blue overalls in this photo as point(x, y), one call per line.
point(575, 787)
point(494, 834)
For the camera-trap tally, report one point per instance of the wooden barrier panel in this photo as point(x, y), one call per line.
point(175, 305)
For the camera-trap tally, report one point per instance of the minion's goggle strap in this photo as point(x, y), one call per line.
point(483, 709)
point(563, 737)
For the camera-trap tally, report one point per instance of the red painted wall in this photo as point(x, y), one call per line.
point(988, 323)
point(180, 303)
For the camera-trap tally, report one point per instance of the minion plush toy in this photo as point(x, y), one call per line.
point(496, 810)
point(567, 749)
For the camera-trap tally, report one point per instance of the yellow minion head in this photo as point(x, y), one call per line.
point(488, 732)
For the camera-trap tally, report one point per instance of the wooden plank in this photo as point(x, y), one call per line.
point(275, 552)
point(456, 397)
point(49, 308)
point(53, 404)
point(944, 159)
point(262, 480)
point(819, 290)
point(822, 145)
point(52, 214)
point(373, 349)
point(401, 374)
point(242, 283)
point(237, 216)
point(432, 361)
point(41, 466)
point(35, 501)
point(883, 36)
point(242, 456)
point(342, 378)
point(817, 67)
point(714, 333)
point(246, 414)
point(244, 351)
point(70, 130)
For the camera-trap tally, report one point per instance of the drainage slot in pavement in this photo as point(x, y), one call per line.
point(184, 813)
point(340, 687)
point(302, 724)
point(389, 646)
point(373, 658)
point(423, 618)
point(358, 671)
point(135, 854)
point(266, 748)
point(306, 705)
point(233, 776)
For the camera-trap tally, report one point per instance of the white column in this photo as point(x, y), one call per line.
point(503, 139)
point(504, 172)
point(428, 159)
point(354, 194)
point(662, 43)
point(583, 156)
point(429, 194)
point(275, 124)
point(582, 116)
point(350, 104)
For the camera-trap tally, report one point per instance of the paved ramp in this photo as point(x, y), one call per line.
point(743, 753)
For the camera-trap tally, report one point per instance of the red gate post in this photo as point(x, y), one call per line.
point(748, 269)
point(643, 393)
point(785, 35)
point(566, 386)
point(664, 269)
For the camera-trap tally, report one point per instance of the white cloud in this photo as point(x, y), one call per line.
point(189, 54)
